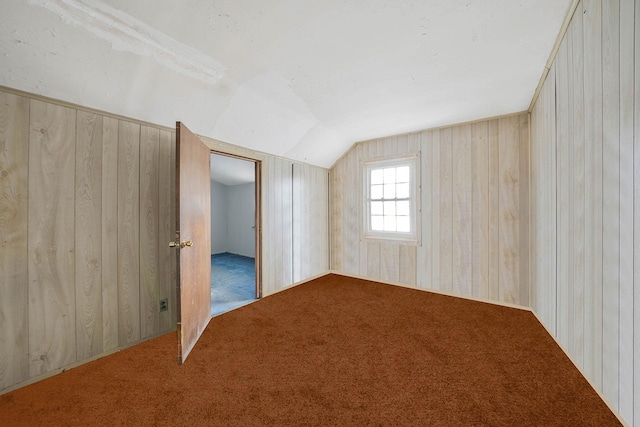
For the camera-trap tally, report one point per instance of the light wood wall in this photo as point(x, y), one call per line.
point(84, 259)
point(310, 221)
point(585, 202)
point(87, 208)
point(473, 211)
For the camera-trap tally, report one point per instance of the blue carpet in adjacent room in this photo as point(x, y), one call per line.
point(233, 282)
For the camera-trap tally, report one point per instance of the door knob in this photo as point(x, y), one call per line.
point(181, 244)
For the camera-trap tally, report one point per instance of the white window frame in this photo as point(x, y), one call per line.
point(414, 203)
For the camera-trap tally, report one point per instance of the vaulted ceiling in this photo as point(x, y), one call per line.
point(303, 79)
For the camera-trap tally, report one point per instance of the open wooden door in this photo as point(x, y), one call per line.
point(193, 239)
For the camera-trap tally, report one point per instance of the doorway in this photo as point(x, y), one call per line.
point(235, 278)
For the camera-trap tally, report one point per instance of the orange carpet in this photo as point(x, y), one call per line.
point(332, 352)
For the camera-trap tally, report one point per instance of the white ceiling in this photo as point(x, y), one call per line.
point(303, 79)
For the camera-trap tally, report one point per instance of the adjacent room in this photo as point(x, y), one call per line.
point(233, 233)
point(333, 211)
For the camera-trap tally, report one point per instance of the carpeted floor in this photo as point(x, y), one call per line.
point(335, 351)
point(233, 282)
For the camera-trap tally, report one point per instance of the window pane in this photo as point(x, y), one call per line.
point(389, 175)
point(376, 192)
point(389, 191)
point(377, 176)
point(402, 191)
point(389, 208)
point(402, 174)
point(404, 225)
point(377, 223)
point(389, 223)
point(402, 209)
point(376, 208)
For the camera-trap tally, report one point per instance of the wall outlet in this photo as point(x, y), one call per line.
point(164, 305)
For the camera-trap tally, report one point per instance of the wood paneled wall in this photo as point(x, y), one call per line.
point(585, 203)
point(277, 225)
point(473, 210)
point(310, 221)
point(87, 207)
point(84, 259)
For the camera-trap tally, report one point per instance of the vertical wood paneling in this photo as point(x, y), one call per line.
point(459, 207)
point(351, 230)
point(149, 223)
point(109, 233)
point(578, 189)
point(310, 231)
point(128, 232)
point(523, 219)
point(597, 209)
point(424, 257)
point(636, 221)
point(509, 209)
point(88, 235)
point(480, 217)
point(446, 210)
point(373, 260)
point(173, 299)
point(462, 261)
point(436, 204)
point(610, 197)
point(390, 262)
point(52, 325)
point(626, 390)
point(407, 265)
point(166, 228)
point(287, 222)
point(593, 190)
point(543, 161)
point(494, 211)
point(278, 225)
point(563, 190)
point(14, 166)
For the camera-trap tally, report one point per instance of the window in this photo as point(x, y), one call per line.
point(390, 199)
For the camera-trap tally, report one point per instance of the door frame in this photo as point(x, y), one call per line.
point(257, 213)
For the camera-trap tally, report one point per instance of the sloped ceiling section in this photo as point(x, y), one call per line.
point(299, 79)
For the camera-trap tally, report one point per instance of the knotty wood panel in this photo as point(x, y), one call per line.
point(109, 233)
point(88, 235)
point(149, 232)
point(128, 232)
point(14, 155)
point(52, 325)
